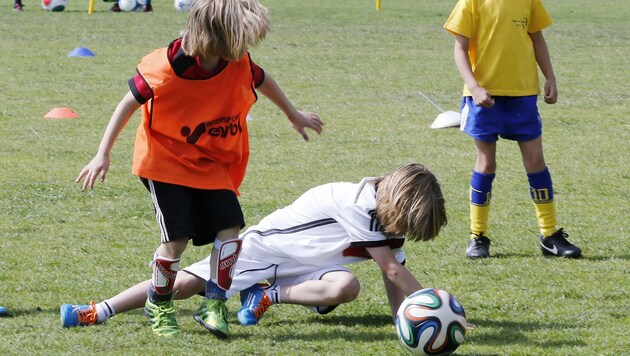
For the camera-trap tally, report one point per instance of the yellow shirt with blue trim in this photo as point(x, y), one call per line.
point(501, 52)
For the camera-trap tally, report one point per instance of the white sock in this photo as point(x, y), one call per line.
point(104, 310)
point(274, 294)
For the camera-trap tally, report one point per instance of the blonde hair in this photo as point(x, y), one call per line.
point(409, 202)
point(224, 28)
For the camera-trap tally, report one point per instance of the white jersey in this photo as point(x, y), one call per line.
point(325, 228)
point(329, 224)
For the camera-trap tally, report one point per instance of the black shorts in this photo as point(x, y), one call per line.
point(196, 214)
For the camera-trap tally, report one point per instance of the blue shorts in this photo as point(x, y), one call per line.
point(512, 118)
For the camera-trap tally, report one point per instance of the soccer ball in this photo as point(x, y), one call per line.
point(54, 5)
point(130, 5)
point(431, 322)
point(183, 5)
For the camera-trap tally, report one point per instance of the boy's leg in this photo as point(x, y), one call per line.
point(17, 6)
point(115, 7)
point(159, 307)
point(147, 6)
point(540, 185)
point(320, 290)
point(212, 314)
point(132, 298)
point(552, 241)
point(480, 195)
point(333, 288)
point(484, 125)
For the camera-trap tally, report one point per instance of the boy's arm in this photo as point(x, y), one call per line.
point(98, 166)
point(544, 62)
point(399, 282)
point(299, 119)
point(394, 295)
point(480, 95)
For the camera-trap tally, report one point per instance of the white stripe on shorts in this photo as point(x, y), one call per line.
point(158, 213)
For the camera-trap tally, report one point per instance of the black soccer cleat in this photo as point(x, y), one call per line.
point(557, 245)
point(478, 247)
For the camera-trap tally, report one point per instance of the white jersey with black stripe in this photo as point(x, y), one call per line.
point(329, 224)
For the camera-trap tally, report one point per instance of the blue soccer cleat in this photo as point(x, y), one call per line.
point(255, 303)
point(78, 315)
point(3, 311)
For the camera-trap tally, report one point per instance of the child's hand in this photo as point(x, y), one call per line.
point(97, 168)
point(481, 97)
point(304, 119)
point(551, 91)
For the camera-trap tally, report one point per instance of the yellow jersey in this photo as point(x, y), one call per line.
point(501, 52)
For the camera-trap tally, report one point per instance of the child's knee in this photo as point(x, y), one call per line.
point(349, 290)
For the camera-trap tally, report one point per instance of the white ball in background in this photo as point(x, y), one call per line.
point(54, 5)
point(128, 5)
point(183, 5)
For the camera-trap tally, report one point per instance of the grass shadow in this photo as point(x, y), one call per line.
point(16, 312)
point(501, 332)
point(364, 320)
point(605, 258)
point(350, 335)
point(504, 255)
point(501, 255)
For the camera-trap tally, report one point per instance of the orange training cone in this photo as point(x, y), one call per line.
point(61, 113)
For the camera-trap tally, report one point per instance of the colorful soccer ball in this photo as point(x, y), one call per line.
point(183, 5)
point(54, 5)
point(431, 322)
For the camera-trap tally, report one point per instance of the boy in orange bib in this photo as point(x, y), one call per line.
point(192, 148)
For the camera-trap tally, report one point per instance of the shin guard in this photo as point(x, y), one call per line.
point(164, 273)
point(228, 252)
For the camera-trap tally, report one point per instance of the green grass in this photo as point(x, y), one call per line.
point(361, 71)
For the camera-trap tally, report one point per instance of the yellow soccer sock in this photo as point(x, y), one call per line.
point(547, 218)
point(479, 219)
point(480, 194)
point(541, 191)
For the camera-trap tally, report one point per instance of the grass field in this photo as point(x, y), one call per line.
point(361, 71)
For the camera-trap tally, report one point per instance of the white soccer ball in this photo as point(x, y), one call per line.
point(431, 322)
point(128, 5)
point(183, 5)
point(54, 5)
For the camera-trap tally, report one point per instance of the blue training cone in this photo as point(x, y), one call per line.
point(81, 52)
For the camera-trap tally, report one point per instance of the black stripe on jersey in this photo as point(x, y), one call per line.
point(139, 97)
point(271, 280)
point(375, 225)
point(133, 87)
point(293, 229)
point(358, 249)
point(392, 243)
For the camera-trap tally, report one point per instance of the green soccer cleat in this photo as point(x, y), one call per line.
point(212, 314)
point(162, 317)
